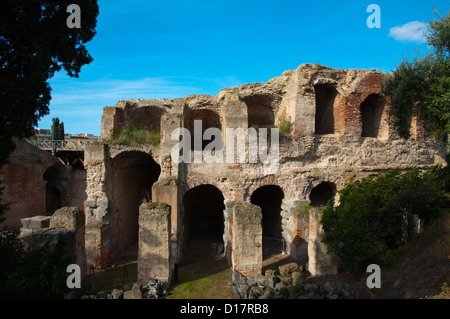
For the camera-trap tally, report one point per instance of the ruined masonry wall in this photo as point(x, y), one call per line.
point(306, 158)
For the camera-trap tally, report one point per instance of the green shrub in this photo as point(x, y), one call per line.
point(33, 273)
point(285, 126)
point(373, 215)
point(40, 272)
point(136, 136)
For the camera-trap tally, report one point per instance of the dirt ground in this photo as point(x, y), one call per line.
point(418, 271)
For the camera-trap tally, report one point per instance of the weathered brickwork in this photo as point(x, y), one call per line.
point(339, 129)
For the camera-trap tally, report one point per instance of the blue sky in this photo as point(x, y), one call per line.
point(167, 49)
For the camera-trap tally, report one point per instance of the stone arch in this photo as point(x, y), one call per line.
point(322, 193)
point(209, 118)
point(325, 117)
point(203, 207)
point(134, 173)
point(56, 177)
point(373, 117)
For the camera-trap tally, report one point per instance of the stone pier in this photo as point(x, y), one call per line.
point(247, 239)
point(321, 263)
point(154, 257)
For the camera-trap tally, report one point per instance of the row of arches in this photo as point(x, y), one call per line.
point(329, 115)
point(202, 207)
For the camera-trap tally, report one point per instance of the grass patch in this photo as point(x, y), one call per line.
point(285, 126)
point(202, 280)
point(136, 136)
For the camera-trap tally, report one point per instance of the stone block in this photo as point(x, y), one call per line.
point(36, 222)
point(67, 218)
point(288, 269)
point(132, 294)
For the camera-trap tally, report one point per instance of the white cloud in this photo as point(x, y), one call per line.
point(412, 32)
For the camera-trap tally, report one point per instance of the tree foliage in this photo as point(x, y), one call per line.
point(57, 130)
point(35, 42)
point(374, 215)
point(421, 87)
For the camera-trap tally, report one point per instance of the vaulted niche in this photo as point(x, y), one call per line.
point(260, 111)
point(134, 174)
point(209, 119)
point(372, 110)
point(322, 193)
point(324, 119)
point(148, 117)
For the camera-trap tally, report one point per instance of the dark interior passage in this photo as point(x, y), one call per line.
point(203, 214)
point(324, 119)
point(134, 174)
point(269, 198)
point(322, 193)
point(371, 114)
point(52, 199)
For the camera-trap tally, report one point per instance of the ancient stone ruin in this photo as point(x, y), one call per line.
point(337, 128)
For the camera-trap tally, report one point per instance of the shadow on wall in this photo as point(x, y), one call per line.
point(56, 177)
point(134, 174)
point(322, 193)
point(269, 198)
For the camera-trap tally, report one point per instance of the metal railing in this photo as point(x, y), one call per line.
point(274, 244)
point(70, 145)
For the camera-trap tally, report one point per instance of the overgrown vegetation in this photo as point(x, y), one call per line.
point(36, 272)
point(421, 87)
point(136, 136)
point(285, 126)
point(374, 216)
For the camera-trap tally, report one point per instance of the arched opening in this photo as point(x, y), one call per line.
point(209, 119)
point(260, 111)
point(322, 193)
point(57, 178)
point(372, 110)
point(203, 214)
point(203, 228)
point(269, 198)
point(324, 118)
point(134, 174)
